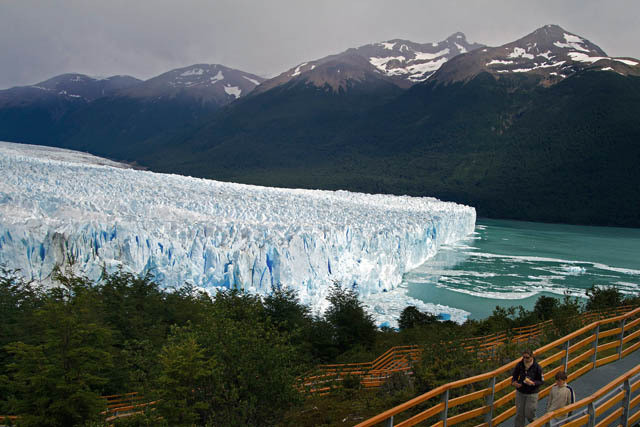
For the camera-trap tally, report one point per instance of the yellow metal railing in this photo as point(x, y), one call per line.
point(401, 358)
point(486, 400)
point(617, 403)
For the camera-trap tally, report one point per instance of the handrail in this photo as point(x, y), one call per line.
point(123, 405)
point(118, 405)
point(323, 375)
point(613, 385)
point(593, 328)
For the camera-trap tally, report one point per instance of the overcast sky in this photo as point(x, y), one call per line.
point(143, 38)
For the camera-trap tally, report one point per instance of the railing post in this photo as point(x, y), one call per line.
point(445, 411)
point(594, 359)
point(621, 337)
point(592, 415)
point(625, 403)
point(566, 354)
point(388, 422)
point(488, 418)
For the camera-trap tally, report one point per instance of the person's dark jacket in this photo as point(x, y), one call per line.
point(534, 373)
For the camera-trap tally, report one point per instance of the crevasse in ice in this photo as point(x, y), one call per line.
point(59, 207)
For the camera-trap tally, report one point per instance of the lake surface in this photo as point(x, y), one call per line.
point(511, 263)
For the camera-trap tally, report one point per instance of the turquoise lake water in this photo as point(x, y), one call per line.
point(511, 263)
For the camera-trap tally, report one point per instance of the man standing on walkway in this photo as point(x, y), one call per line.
point(527, 378)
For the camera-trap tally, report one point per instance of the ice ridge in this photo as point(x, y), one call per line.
point(58, 208)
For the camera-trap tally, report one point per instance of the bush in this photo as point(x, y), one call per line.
point(351, 324)
point(398, 382)
point(545, 307)
point(602, 298)
point(412, 317)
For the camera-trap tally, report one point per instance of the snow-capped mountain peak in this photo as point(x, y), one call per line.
point(196, 75)
point(413, 61)
point(207, 82)
point(400, 62)
point(549, 52)
point(208, 75)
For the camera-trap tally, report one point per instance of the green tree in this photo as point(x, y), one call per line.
point(187, 380)
point(351, 324)
point(545, 307)
point(603, 297)
point(236, 368)
point(258, 362)
point(134, 307)
point(412, 317)
point(566, 318)
point(18, 301)
point(57, 380)
point(285, 310)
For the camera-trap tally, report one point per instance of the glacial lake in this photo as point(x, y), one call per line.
point(511, 263)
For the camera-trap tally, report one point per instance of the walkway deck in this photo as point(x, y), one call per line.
point(592, 381)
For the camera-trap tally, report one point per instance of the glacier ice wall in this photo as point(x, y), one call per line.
point(59, 207)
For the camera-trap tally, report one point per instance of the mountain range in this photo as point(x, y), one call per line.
point(542, 128)
point(119, 112)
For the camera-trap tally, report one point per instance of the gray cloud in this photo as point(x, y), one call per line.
point(143, 38)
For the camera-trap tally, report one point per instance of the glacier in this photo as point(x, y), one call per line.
point(73, 210)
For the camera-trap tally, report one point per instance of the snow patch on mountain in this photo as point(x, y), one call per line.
point(218, 77)
point(254, 81)
point(572, 42)
point(233, 90)
point(193, 72)
point(381, 64)
point(581, 57)
point(461, 49)
point(418, 71)
point(627, 61)
point(519, 52)
point(62, 208)
point(546, 55)
point(499, 61)
point(425, 56)
point(297, 72)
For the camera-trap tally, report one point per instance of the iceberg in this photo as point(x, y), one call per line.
point(60, 208)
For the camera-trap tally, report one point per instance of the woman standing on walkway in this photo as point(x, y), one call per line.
point(527, 378)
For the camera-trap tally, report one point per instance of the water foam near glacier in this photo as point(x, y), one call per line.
point(510, 263)
point(61, 208)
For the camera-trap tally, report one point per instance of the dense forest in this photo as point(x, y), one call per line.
point(231, 359)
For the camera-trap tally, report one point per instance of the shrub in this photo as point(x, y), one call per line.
point(351, 324)
point(412, 317)
point(601, 298)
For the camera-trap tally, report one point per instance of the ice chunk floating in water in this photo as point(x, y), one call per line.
point(57, 206)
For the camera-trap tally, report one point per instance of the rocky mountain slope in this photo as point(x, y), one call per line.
point(204, 82)
point(401, 62)
point(113, 116)
point(550, 53)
